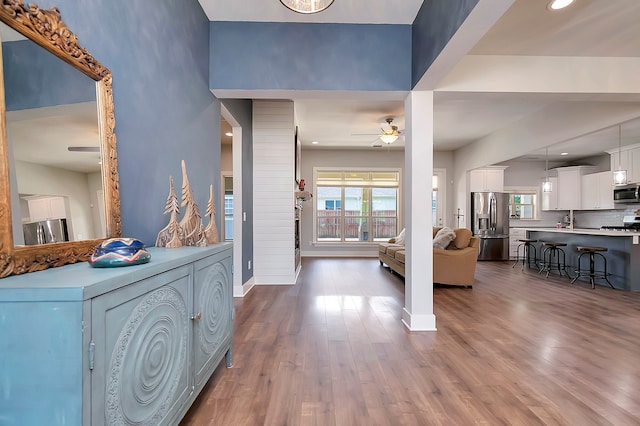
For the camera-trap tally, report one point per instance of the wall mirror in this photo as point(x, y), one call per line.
point(58, 166)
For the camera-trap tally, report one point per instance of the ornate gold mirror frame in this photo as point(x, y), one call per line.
point(45, 27)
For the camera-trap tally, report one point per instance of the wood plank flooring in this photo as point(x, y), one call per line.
point(517, 349)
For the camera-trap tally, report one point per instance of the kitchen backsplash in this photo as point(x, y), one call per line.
point(582, 218)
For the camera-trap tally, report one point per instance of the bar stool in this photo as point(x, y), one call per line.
point(553, 251)
point(527, 245)
point(592, 251)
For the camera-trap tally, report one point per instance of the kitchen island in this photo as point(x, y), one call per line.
point(623, 256)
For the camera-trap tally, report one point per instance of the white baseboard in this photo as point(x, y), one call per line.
point(416, 322)
point(334, 254)
point(246, 288)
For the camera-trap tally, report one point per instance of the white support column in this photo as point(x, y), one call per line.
point(418, 311)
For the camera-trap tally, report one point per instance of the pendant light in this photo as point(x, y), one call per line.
point(546, 185)
point(307, 6)
point(620, 175)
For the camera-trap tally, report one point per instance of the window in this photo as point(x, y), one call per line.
point(522, 205)
point(356, 206)
point(228, 208)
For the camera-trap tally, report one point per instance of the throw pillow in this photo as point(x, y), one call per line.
point(400, 238)
point(463, 238)
point(443, 238)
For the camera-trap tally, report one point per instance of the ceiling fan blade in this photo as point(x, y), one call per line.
point(84, 148)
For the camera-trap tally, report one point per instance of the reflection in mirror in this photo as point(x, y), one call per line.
point(41, 90)
point(53, 145)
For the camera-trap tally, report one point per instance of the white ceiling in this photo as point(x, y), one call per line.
point(43, 136)
point(586, 28)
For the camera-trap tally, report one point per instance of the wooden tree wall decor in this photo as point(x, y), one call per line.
point(211, 231)
point(191, 223)
point(171, 235)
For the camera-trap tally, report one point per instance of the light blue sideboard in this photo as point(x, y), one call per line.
point(131, 345)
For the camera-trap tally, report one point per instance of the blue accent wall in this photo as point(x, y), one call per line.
point(36, 78)
point(242, 111)
point(436, 22)
point(304, 56)
point(158, 53)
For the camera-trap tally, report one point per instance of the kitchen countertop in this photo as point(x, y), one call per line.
point(586, 231)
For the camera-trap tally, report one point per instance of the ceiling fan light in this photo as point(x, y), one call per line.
point(307, 6)
point(389, 138)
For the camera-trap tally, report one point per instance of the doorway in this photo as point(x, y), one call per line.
point(438, 197)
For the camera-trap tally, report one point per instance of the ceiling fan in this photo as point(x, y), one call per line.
point(83, 148)
point(388, 135)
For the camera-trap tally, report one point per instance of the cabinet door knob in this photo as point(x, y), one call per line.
point(196, 317)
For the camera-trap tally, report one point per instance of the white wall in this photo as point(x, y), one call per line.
point(99, 227)
point(274, 184)
point(444, 160)
point(226, 158)
point(362, 158)
point(35, 179)
point(375, 157)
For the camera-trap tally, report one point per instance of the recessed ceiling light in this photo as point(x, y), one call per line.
point(228, 134)
point(559, 4)
point(564, 153)
point(315, 142)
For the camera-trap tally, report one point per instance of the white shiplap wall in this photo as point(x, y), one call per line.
point(273, 188)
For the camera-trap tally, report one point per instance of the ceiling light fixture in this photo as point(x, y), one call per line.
point(315, 142)
point(620, 175)
point(546, 185)
point(564, 153)
point(228, 134)
point(307, 6)
point(390, 134)
point(559, 4)
point(389, 138)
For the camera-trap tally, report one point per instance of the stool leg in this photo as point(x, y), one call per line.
point(535, 256)
point(556, 255)
point(564, 262)
point(543, 265)
point(592, 269)
point(578, 272)
point(606, 275)
point(552, 254)
point(517, 256)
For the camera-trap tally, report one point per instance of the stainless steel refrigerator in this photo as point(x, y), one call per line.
point(490, 222)
point(45, 232)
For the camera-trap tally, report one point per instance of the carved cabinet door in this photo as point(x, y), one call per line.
point(142, 335)
point(213, 308)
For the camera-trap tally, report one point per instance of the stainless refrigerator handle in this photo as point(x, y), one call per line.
point(492, 213)
point(40, 234)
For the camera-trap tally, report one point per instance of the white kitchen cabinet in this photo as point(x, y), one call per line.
point(550, 199)
point(570, 187)
point(43, 208)
point(597, 191)
point(487, 180)
point(515, 234)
